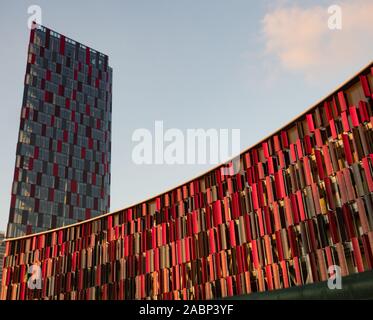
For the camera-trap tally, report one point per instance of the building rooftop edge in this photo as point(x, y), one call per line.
point(70, 40)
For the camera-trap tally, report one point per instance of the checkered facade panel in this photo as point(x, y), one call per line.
point(301, 202)
point(62, 170)
point(2, 252)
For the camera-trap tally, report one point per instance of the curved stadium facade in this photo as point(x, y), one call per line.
point(302, 201)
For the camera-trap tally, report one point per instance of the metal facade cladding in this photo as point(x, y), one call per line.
point(301, 202)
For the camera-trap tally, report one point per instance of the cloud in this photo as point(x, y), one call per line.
point(300, 40)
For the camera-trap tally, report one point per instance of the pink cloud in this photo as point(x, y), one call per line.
point(301, 41)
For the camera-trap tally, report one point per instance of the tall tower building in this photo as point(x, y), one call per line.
point(62, 168)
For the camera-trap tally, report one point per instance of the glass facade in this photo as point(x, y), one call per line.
point(62, 170)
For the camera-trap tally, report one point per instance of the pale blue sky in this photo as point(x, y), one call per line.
point(193, 64)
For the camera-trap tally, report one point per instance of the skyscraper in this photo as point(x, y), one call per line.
point(62, 168)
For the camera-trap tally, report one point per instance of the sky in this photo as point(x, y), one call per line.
point(240, 64)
